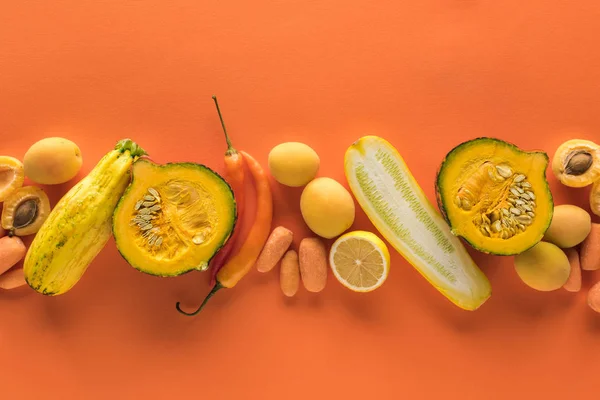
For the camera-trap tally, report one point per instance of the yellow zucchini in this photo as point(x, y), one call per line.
point(399, 209)
point(79, 226)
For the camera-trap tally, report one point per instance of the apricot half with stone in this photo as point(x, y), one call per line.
point(12, 176)
point(576, 163)
point(25, 211)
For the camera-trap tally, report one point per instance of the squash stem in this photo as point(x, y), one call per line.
point(230, 149)
point(214, 290)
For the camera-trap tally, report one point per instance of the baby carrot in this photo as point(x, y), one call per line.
point(289, 274)
point(593, 298)
point(573, 284)
point(277, 244)
point(590, 250)
point(12, 250)
point(313, 264)
point(234, 171)
point(12, 279)
point(241, 263)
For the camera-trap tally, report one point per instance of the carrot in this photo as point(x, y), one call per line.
point(289, 274)
point(12, 250)
point(589, 255)
point(573, 284)
point(234, 171)
point(313, 264)
point(277, 244)
point(241, 263)
point(12, 279)
point(593, 298)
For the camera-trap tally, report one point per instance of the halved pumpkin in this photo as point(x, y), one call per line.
point(173, 218)
point(495, 195)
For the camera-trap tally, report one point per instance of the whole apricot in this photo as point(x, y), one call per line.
point(52, 161)
point(327, 207)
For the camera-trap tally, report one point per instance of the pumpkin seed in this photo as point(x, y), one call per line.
point(526, 184)
point(519, 178)
point(514, 191)
point(531, 195)
point(519, 202)
point(152, 239)
point(506, 212)
point(154, 193)
point(521, 191)
point(156, 207)
point(138, 205)
point(149, 198)
point(496, 226)
point(504, 171)
point(148, 203)
point(515, 211)
point(146, 227)
point(158, 241)
point(525, 196)
point(524, 219)
point(531, 214)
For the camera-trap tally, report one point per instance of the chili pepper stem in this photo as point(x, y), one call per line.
point(214, 290)
point(230, 149)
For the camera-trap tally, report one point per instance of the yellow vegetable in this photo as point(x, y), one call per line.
point(80, 224)
point(397, 206)
point(327, 207)
point(293, 164)
point(52, 160)
point(495, 195)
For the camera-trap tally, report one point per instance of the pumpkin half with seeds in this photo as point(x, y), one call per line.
point(173, 218)
point(495, 195)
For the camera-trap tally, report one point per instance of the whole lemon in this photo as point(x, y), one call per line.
point(293, 164)
point(327, 207)
point(52, 160)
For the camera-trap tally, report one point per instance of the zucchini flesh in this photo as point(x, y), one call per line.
point(397, 206)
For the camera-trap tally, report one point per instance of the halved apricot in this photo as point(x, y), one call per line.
point(25, 211)
point(12, 176)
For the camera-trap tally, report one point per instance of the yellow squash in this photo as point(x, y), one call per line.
point(80, 225)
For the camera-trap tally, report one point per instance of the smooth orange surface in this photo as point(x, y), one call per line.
point(426, 75)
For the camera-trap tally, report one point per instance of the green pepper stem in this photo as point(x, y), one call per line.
point(230, 149)
point(214, 290)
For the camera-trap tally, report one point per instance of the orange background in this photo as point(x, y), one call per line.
point(425, 75)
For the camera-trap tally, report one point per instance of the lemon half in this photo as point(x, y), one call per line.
point(360, 261)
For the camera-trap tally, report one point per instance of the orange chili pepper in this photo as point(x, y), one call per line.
point(241, 263)
point(234, 171)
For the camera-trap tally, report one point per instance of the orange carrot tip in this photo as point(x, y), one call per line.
point(275, 247)
point(573, 284)
point(589, 254)
point(12, 279)
point(593, 298)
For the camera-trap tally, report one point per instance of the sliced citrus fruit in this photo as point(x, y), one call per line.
point(11, 176)
point(360, 261)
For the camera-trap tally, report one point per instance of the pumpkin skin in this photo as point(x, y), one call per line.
point(193, 214)
point(486, 180)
